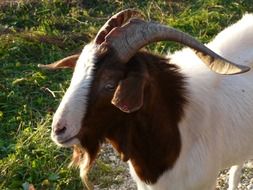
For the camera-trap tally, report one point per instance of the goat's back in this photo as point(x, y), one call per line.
point(217, 129)
point(236, 42)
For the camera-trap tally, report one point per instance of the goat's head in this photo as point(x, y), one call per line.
point(109, 82)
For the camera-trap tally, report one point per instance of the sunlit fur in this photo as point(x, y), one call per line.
point(234, 176)
point(217, 130)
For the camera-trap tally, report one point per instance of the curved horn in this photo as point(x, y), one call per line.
point(116, 20)
point(137, 33)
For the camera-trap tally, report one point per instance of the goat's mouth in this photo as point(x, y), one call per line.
point(65, 142)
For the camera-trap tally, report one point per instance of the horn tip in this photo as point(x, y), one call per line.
point(244, 68)
point(234, 70)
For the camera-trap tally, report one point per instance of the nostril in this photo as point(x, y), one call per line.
point(60, 130)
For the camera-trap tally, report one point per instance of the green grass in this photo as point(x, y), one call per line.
point(33, 32)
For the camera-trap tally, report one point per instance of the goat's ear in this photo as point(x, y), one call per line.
point(67, 62)
point(129, 94)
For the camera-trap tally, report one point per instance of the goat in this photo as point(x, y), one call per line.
point(173, 120)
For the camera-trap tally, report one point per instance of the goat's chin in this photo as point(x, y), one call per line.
point(66, 144)
point(82, 159)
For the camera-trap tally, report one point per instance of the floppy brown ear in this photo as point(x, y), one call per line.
point(67, 62)
point(129, 94)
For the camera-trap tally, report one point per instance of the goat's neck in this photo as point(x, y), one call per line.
point(150, 137)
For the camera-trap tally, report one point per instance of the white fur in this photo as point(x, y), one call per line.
point(234, 176)
point(217, 129)
point(74, 103)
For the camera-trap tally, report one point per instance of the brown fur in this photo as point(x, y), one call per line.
point(148, 135)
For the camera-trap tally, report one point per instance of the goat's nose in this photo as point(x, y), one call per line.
point(59, 128)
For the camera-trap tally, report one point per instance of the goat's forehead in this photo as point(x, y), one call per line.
point(85, 64)
point(83, 75)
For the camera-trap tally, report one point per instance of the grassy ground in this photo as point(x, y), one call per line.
point(33, 32)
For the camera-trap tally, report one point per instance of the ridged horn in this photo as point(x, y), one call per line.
point(128, 39)
point(116, 20)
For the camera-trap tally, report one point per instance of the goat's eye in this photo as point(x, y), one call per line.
point(110, 86)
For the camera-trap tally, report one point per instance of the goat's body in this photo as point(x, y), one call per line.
point(217, 128)
point(176, 124)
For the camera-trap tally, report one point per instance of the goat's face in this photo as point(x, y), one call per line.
point(102, 89)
